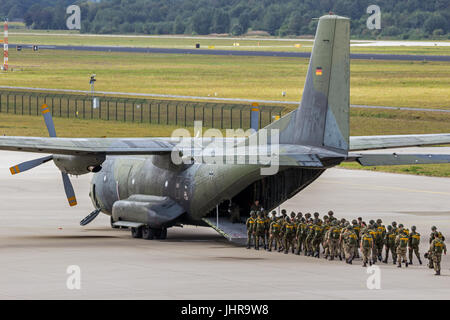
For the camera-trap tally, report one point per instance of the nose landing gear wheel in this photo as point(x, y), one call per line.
point(136, 232)
point(112, 223)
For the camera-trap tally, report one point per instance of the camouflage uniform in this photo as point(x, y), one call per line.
point(413, 245)
point(309, 239)
point(267, 223)
point(402, 243)
point(251, 227)
point(366, 245)
point(326, 228)
point(379, 242)
point(373, 232)
point(260, 232)
point(289, 235)
point(334, 235)
point(300, 236)
point(389, 243)
point(436, 248)
point(275, 229)
point(317, 239)
point(357, 230)
point(350, 240)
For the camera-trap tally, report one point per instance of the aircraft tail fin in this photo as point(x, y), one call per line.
point(322, 119)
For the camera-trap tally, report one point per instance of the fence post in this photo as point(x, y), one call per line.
point(185, 115)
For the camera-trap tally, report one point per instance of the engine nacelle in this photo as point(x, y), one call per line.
point(78, 165)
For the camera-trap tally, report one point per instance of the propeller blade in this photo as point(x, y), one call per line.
point(45, 109)
point(69, 190)
point(29, 165)
point(90, 218)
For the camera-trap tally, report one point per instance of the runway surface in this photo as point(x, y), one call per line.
point(40, 237)
point(364, 56)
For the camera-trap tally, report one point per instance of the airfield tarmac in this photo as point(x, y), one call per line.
point(40, 237)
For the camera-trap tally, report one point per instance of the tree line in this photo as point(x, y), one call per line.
point(402, 19)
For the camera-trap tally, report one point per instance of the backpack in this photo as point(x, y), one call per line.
point(352, 239)
point(403, 241)
point(415, 239)
point(367, 241)
point(335, 233)
point(438, 246)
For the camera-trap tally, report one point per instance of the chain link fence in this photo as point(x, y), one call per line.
point(151, 111)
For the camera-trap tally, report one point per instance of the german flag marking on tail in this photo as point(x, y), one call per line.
point(319, 71)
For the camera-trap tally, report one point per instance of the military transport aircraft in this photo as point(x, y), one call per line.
point(138, 184)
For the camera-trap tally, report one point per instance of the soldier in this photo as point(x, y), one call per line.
point(366, 246)
point(299, 217)
point(381, 233)
point(433, 233)
point(402, 243)
point(394, 227)
point(326, 227)
point(333, 237)
point(256, 207)
point(389, 243)
point(316, 217)
point(360, 221)
point(350, 240)
point(300, 236)
point(251, 227)
point(413, 245)
point(317, 239)
point(288, 235)
point(274, 231)
point(331, 215)
point(309, 238)
point(357, 230)
point(260, 231)
point(436, 248)
point(373, 232)
point(267, 222)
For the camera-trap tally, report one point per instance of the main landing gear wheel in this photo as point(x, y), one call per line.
point(163, 234)
point(148, 233)
point(136, 232)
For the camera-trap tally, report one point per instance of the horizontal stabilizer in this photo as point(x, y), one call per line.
point(400, 159)
point(397, 141)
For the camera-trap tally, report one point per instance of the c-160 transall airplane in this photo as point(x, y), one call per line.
point(138, 184)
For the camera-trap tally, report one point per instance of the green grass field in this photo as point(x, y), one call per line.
point(388, 83)
point(61, 37)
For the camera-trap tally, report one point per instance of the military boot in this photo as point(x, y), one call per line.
point(248, 246)
point(410, 262)
point(365, 264)
point(340, 257)
point(420, 261)
point(399, 265)
point(385, 260)
point(380, 258)
point(406, 264)
point(438, 273)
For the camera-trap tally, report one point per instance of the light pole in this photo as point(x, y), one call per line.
point(92, 83)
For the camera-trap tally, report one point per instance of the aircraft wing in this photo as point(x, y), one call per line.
point(397, 141)
point(87, 146)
